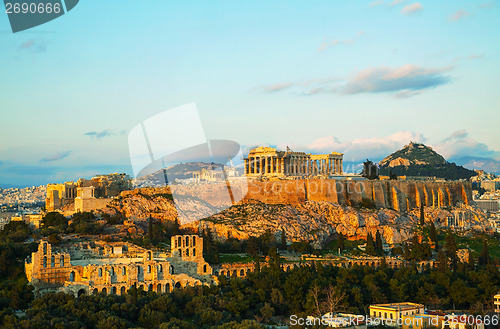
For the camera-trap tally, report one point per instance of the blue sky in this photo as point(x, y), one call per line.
point(359, 77)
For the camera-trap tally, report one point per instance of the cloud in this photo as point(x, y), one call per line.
point(277, 87)
point(34, 45)
point(376, 3)
point(459, 15)
point(402, 82)
point(475, 56)
point(407, 80)
point(487, 4)
point(101, 134)
point(55, 157)
point(334, 42)
point(459, 145)
point(412, 9)
point(396, 2)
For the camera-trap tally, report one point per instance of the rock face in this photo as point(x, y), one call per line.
point(310, 210)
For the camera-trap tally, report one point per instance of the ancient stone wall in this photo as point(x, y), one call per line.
point(398, 195)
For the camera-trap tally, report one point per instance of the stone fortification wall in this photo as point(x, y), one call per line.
point(398, 195)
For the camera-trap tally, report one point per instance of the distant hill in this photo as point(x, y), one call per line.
point(179, 171)
point(417, 159)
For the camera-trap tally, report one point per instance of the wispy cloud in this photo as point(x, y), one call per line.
point(402, 82)
point(412, 9)
point(407, 78)
point(487, 4)
point(334, 42)
point(396, 2)
point(101, 134)
point(475, 56)
point(55, 157)
point(376, 3)
point(34, 45)
point(459, 15)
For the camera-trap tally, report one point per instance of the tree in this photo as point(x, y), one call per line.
point(150, 228)
point(379, 248)
point(433, 235)
point(332, 300)
point(267, 311)
point(484, 257)
point(422, 214)
point(370, 244)
point(283, 240)
point(341, 242)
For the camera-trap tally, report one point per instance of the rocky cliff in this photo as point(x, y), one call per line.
point(310, 210)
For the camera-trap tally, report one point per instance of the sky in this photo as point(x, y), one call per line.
point(359, 77)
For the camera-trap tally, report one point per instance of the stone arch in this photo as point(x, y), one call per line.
point(167, 287)
point(187, 252)
point(95, 291)
point(61, 261)
point(141, 287)
point(194, 241)
point(104, 290)
point(194, 252)
point(178, 285)
point(72, 276)
point(205, 268)
point(99, 271)
point(52, 261)
point(150, 287)
point(179, 241)
point(124, 270)
point(81, 292)
point(242, 272)
point(44, 261)
point(122, 290)
point(113, 290)
point(222, 273)
point(45, 248)
point(171, 269)
point(158, 288)
point(160, 268)
point(150, 255)
point(149, 268)
point(187, 241)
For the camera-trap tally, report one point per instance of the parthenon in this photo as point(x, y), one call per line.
point(269, 162)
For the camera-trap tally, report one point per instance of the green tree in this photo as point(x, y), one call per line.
point(433, 235)
point(341, 242)
point(370, 244)
point(484, 257)
point(379, 248)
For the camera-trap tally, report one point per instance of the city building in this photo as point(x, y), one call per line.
point(490, 185)
point(395, 311)
point(86, 194)
point(90, 267)
point(496, 302)
point(269, 162)
point(488, 205)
